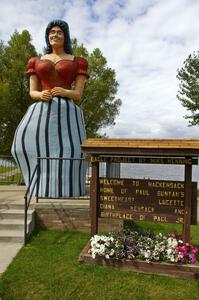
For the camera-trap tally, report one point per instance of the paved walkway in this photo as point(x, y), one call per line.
point(7, 252)
point(12, 193)
point(15, 195)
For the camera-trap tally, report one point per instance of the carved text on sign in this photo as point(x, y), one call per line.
point(145, 160)
point(140, 199)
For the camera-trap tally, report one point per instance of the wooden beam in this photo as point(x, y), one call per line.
point(142, 143)
point(187, 210)
point(94, 197)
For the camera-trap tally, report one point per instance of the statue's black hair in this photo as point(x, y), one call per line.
point(64, 27)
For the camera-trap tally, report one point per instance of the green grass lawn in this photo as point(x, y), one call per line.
point(48, 269)
point(16, 178)
point(6, 169)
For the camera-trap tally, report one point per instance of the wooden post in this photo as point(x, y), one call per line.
point(187, 210)
point(94, 197)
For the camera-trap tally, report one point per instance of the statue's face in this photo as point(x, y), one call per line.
point(56, 37)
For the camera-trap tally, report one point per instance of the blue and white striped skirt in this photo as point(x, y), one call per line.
point(52, 131)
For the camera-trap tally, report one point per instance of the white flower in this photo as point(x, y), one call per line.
point(117, 244)
point(147, 253)
point(100, 245)
point(112, 252)
point(169, 251)
point(172, 242)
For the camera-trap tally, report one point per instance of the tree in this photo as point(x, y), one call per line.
point(99, 102)
point(14, 90)
point(188, 93)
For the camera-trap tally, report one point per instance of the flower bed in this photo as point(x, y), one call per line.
point(143, 252)
point(145, 246)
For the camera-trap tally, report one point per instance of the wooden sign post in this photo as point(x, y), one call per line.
point(139, 199)
point(187, 210)
point(94, 192)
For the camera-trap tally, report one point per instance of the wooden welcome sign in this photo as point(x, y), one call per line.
point(140, 199)
point(145, 200)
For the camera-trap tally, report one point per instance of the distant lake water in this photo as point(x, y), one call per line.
point(150, 171)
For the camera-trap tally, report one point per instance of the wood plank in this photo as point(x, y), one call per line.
point(142, 143)
point(94, 197)
point(187, 209)
point(158, 152)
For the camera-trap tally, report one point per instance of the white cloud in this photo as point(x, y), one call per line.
point(145, 41)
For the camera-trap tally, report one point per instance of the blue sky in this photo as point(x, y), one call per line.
point(145, 41)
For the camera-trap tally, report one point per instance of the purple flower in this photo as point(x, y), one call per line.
point(122, 253)
point(192, 258)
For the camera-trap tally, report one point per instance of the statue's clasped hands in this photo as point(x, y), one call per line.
point(47, 95)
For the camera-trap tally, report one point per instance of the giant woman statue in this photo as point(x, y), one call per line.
point(53, 126)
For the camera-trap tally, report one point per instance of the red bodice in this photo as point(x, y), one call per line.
point(60, 74)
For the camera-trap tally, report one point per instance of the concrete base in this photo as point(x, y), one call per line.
point(70, 214)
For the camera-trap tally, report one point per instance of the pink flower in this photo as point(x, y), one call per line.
point(180, 248)
point(181, 256)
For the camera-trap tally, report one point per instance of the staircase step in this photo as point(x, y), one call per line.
point(13, 224)
point(14, 213)
point(14, 205)
point(11, 236)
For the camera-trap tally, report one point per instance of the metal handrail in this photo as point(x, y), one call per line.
point(61, 158)
point(27, 198)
